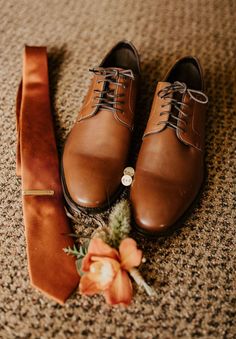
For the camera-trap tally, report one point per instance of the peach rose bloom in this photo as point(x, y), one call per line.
point(106, 270)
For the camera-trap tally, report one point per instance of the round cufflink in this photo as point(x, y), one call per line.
point(129, 171)
point(127, 179)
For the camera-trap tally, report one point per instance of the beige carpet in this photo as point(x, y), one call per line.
point(193, 270)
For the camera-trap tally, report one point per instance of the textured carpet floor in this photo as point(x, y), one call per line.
point(193, 270)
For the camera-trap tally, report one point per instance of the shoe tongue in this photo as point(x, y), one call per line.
point(178, 97)
point(162, 85)
point(173, 95)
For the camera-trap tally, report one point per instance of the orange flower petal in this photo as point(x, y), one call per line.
point(114, 263)
point(86, 262)
point(129, 254)
point(120, 291)
point(103, 272)
point(87, 285)
point(97, 247)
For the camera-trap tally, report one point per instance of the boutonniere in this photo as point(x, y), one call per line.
point(109, 261)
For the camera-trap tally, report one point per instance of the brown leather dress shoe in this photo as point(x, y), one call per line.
point(170, 165)
point(96, 150)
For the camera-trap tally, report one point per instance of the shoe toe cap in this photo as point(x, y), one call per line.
point(91, 182)
point(157, 205)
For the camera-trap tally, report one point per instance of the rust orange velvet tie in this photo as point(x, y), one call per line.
point(46, 224)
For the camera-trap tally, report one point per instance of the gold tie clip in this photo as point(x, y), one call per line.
point(37, 192)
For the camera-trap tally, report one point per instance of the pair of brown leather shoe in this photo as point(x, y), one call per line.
point(169, 169)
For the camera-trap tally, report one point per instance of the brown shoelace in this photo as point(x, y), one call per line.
point(108, 98)
point(167, 94)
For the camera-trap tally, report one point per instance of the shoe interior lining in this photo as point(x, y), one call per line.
point(123, 57)
point(186, 71)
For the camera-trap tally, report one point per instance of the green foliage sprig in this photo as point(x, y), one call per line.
point(119, 223)
point(118, 228)
point(79, 254)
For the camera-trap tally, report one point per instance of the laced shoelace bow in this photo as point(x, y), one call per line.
point(179, 87)
point(108, 98)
